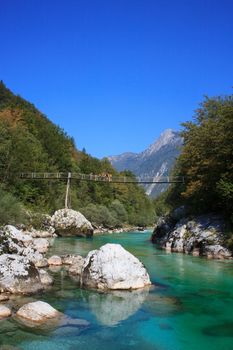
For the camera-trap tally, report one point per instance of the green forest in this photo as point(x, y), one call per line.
point(30, 142)
point(206, 162)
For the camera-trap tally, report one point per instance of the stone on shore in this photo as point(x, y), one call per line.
point(14, 241)
point(4, 311)
point(18, 235)
point(42, 263)
point(41, 245)
point(55, 260)
point(72, 259)
point(68, 222)
point(200, 236)
point(38, 312)
point(4, 297)
point(112, 267)
point(18, 275)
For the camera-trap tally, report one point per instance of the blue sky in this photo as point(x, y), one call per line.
point(116, 73)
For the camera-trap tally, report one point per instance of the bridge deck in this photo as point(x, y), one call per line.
point(102, 178)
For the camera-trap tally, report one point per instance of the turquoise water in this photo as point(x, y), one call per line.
point(189, 307)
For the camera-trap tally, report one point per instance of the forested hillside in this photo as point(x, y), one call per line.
point(206, 160)
point(30, 142)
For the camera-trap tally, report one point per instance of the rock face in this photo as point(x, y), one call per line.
point(155, 161)
point(202, 235)
point(68, 222)
point(38, 312)
point(18, 275)
point(112, 267)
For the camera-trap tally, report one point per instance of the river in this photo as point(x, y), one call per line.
point(189, 306)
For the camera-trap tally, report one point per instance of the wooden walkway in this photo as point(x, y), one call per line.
point(102, 178)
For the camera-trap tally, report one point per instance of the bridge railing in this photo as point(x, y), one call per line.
point(101, 177)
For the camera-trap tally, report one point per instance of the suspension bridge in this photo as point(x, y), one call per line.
point(104, 177)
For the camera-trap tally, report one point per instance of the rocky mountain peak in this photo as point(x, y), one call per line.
point(155, 161)
point(168, 136)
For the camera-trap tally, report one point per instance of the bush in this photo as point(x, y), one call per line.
point(11, 211)
point(99, 215)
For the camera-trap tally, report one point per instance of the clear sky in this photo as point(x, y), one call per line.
point(115, 73)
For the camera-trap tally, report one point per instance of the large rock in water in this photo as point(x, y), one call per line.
point(112, 267)
point(18, 275)
point(68, 222)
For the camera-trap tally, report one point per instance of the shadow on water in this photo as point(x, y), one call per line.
point(220, 330)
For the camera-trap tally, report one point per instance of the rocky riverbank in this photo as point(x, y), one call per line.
point(198, 235)
point(25, 270)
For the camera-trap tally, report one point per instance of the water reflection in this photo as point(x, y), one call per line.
point(111, 308)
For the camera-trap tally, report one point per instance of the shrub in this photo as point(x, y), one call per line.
point(11, 211)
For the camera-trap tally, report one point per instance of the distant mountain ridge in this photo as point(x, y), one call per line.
point(157, 160)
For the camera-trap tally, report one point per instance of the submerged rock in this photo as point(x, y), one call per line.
point(44, 318)
point(38, 312)
point(4, 311)
point(68, 222)
point(45, 278)
point(18, 275)
point(202, 235)
point(112, 267)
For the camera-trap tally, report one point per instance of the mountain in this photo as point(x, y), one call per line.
point(157, 160)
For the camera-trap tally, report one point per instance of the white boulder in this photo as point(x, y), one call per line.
point(18, 235)
point(68, 222)
point(18, 275)
point(38, 312)
point(14, 241)
point(112, 267)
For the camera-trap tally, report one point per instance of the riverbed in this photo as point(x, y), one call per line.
point(188, 307)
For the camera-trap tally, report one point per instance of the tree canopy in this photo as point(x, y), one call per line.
point(206, 160)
